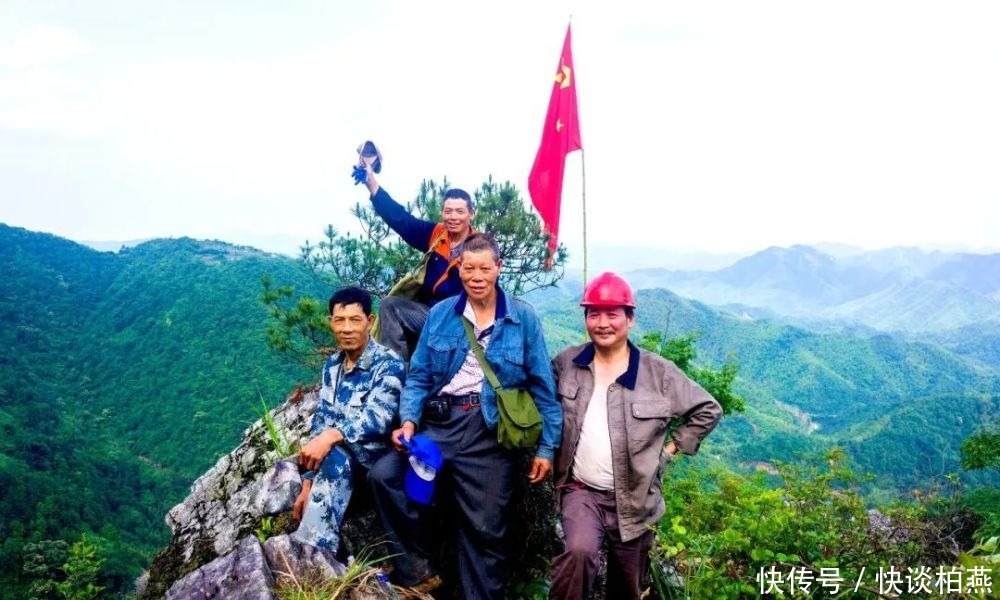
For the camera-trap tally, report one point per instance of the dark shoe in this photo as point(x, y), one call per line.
point(428, 585)
point(420, 571)
point(367, 152)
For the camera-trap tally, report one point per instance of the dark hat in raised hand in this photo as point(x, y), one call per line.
point(369, 153)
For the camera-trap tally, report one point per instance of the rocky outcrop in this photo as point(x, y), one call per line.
point(279, 488)
point(222, 505)
point(243, 573)
point(251, 491)
point(253, 571)
point(289, 557)
point(227, 504)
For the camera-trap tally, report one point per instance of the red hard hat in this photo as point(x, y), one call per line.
point(608, 289)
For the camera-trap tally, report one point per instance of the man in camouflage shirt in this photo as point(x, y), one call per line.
point(358, 399)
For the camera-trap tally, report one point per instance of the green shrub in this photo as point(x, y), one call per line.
point(723, 531)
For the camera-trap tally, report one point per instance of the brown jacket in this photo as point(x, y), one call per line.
point(649, 400)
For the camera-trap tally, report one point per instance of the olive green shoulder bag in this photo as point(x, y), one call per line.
point(520, 423)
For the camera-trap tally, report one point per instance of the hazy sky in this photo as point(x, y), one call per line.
point(712, 126)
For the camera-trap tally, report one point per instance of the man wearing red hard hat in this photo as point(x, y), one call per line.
point(619, 404)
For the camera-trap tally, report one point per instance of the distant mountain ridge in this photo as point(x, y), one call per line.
point(112, 245)
point(897, 289)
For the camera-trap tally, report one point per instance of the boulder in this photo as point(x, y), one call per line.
point(280, 487)
point(288, 557)
point(224, 505)
point(243, 574)
point(252, 571)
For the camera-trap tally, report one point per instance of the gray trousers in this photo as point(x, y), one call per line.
point(590, 518)
point(475, 485)
point(400, 324)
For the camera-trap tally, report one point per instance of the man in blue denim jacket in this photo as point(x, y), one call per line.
point(448, 398)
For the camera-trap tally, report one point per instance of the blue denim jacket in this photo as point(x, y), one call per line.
point(516, 352)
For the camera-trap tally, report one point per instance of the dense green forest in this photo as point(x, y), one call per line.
point(125, 376)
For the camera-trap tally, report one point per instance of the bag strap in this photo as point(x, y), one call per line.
point(431, 248)
point(478, 351)
point(431, 251)
point(451, 264)
point(444, 276)
point(435, 240)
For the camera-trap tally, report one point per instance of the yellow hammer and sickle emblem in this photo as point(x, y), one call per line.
point(563, 77)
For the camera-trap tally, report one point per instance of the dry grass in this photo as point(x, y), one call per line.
point(360, 581)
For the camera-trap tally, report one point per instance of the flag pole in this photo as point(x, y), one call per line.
point(583, 194)
point(583, 198)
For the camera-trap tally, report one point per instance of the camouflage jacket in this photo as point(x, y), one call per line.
point(362, 402)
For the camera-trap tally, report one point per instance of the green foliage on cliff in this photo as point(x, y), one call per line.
point(717, 382)
point(731, 535)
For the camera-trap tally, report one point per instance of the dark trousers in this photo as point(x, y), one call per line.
point(590, 518)
point(475, 484)
point(400, 324)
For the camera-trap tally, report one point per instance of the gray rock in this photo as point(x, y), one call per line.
point(141, 583)
point(240, 575)
point(227, 504)
point(288, 557)
point(279, 488)
point(222, 505)
point(881, 526)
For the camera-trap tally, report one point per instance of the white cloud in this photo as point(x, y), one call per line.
point(43, 45)
point(720, 126)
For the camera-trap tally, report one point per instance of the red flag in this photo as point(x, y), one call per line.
point(560, 137)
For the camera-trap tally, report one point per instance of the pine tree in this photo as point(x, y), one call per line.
point(377, 258)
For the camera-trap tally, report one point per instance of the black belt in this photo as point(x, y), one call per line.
point(464, 400)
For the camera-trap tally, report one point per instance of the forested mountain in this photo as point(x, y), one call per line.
point(124, 376)
point(897, 289)
point(979, 342)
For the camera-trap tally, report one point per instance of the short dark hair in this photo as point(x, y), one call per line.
point(629, 311)
point(352, 295)
point(454, 193)
point(477, 242)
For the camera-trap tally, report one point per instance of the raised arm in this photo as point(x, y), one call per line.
point(415, 232)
